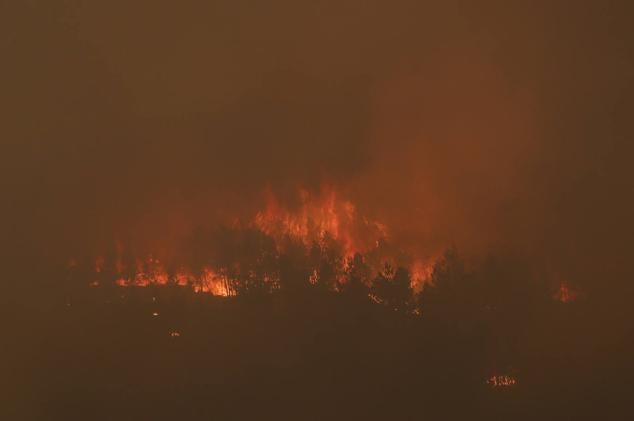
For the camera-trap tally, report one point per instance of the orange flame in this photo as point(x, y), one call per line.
point(151, 272)
point(315, 217)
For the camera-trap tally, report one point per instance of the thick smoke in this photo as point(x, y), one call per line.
point(494, 128)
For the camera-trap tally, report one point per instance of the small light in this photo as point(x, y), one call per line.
point(502, 381)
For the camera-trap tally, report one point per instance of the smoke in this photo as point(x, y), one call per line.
point(494, 128)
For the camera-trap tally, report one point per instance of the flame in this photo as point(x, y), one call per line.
point(316, 215)
point(151, 272)
point(421, 271)
point(316, 218)
point(213, 283)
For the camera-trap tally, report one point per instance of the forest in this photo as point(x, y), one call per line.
point(316, 210)
point(301, 331)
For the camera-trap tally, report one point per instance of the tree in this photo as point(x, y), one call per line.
point(357, 277)
point(448, 296)
point(251, 260)
point(393, 287)
point(294, 265)
point(330, 262)
point(401, 291)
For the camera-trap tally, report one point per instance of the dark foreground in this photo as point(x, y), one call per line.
point(166, 353)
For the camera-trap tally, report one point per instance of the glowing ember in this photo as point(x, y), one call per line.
point(501, 381)
point(314, 277)
point(565, 294)
point(375, 299)
point(175, 334)
point(99, 262)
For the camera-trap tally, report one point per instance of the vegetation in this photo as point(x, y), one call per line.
point(307, 333)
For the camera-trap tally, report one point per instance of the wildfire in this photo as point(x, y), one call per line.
point(421, 270)
point(208, 282)
point(213, 283)
point(316, 215)
point(323, 222)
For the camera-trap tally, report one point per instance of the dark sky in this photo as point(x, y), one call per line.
point(494, 126)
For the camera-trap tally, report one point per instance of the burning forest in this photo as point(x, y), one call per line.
point(316, 210)
point(321, 241)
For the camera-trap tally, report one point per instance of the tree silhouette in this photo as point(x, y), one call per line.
point(448, 295)
point(330, 263)
point(357, 277)
point(294, 265)
point(393, 287)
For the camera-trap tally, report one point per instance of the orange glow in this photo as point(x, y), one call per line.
point(99, 262)
point(213, 283)
point(564, 293)
point(152, 273)
point(316, 215)
point(421, 271)
point(375, 299)
point(501, 381)
point(314, 219)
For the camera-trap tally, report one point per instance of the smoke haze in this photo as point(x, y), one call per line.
point(495, 128)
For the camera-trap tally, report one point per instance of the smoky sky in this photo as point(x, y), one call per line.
point(486, 125)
